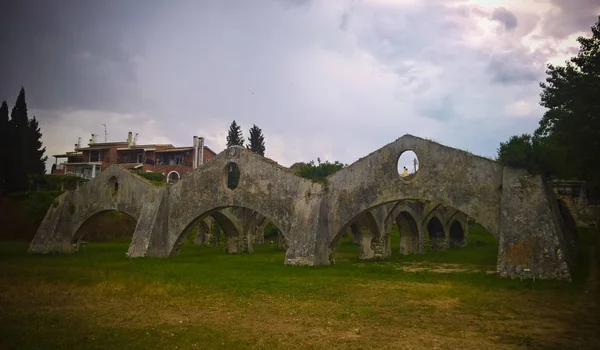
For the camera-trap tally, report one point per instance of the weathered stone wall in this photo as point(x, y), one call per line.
point(312, 217)
point(60, 226)
point(531, 241)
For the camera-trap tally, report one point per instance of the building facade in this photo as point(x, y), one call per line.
point(172, 161)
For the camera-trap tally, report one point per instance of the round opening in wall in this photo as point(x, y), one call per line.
point(408, 165)
point(233, 175)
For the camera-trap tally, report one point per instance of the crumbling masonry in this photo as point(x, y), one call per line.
point(366, 198)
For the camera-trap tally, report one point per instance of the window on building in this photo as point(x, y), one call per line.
point(140, 157)
point(94, 156)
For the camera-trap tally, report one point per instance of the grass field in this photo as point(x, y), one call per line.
point(205, 299)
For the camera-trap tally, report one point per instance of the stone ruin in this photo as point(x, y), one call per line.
point(365, 198)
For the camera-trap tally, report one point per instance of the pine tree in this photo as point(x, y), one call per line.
point(256, 141)
point(5, 154)
point(235, 138)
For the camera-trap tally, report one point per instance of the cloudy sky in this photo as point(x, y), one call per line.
point(334, 79)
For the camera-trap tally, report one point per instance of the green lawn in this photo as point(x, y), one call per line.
point(204, 299)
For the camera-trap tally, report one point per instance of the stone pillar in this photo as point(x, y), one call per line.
point(531, 241)
point(204, 234)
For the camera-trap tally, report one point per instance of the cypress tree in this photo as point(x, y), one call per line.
point(36, 161)
point(5, 155)
point(256, 141)
point(19, 126)
point(234, 137)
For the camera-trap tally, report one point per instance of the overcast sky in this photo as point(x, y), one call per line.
point(329, 79)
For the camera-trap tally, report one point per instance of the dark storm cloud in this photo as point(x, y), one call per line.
point(507, 18)
point(574, 16)
point(516, 67)
point(71, 53)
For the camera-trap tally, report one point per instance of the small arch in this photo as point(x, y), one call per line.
point(457, 234)
point(408, 165)
point(409, 233)
point(232, 173)
point(236, 235)
point(173, 177)
point(105, 225)
point(435, 230)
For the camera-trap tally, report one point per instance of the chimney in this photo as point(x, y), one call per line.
point(78, 144)
point(195, 145)
point(130, 139)
point(93, 139)
point(201, 147)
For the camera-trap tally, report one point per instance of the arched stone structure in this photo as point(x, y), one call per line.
point(436, 234)
point(456, 234)
point(113, 189)
point(292, 203)
point(516, 207)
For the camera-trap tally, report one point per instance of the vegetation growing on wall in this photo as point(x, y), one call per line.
point(318, 172)
point(152, 176)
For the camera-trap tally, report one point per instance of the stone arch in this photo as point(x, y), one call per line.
point(456, 234)
point(456, 178)
point(78, 235)
point(70, 210)
point(436, 233)
point(237, 229)
point(410, 242)
point(173, 177)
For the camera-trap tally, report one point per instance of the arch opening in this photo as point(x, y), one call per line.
point(435, 231)
point(105, 226)
point(408, 165)
point(457, 234)
point(232, 230)
point(409, 233)
point(408, 229)
point(173, 177)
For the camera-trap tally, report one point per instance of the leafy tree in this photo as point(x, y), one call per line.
point(234, 137)
point(570, 94)
point(567, 141)
point(256, 141)
point(518, 152)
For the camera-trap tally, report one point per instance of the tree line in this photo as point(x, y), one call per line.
point(566, 144)
point(21, 151)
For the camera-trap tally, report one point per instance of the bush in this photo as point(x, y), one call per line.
point(153, 176)
point(47, 182)
point(23, 213)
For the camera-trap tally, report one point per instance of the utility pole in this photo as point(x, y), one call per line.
point(105, 134)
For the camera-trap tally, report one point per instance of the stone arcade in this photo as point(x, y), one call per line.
point(367, 196)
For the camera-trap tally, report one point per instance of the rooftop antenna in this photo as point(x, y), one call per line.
point(135, 138)
point(105, 134)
